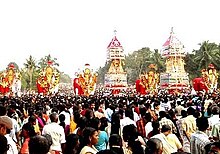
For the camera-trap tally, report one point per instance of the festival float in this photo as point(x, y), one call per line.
point(85, 82)
point(208, 81)
point(175, 79)
point(116, 77)
point(48, 80)
point(10, 81)
point(148, 82)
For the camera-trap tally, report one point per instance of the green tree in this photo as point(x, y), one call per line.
point(29, 72)
point(65, 78)
point(44, 61)
point(157, 59)
point(207, 53)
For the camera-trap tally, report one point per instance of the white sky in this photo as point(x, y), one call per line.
point(79, 31)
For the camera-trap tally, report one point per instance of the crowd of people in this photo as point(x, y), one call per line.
point(106, 124)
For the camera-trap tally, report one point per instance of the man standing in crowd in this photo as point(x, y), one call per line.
point(200, 139)
point(189, 123)
point(6, 126)
point(171, 143)
point(56, 132)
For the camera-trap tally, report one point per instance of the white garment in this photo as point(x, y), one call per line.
point(57, 133)
point(126, 121)
point(213, 120)
point(67, 117)
point(87, 149)
point(12, 145)
point(136, 117)
point(148, 128)
point(15, 129)
point(170, 143)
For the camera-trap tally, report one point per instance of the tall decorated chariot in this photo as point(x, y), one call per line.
point(85, 82)
point(175, 78)
point(116, 77)
point(48, 79)
point(10, 81)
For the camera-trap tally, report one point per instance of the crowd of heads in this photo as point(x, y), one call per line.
point(89, 118)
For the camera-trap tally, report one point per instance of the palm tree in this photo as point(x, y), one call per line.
point(207, 53)
point(30, 68)
point(157, 59)
point(44, 61)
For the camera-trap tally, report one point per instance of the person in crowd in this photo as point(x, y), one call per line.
point(189, 123)
point(134, 145)
point(6, 125)
point(105, 125)
point(27, 132)
point(57, 133)
point(200, 139)
point(183, 137)
point(115, 123)
point(72, 144)
point(171, 143)
point(154, 146)
point(103, 137)
point(34, 122)
point(115, 144)
point(90, 139)
point(63, 110)
point(214, 119)
point(127, 120)
point(63, 124)
point(214, 148)
point(39, 145)
point(141, 123)
point(155, 130)
point(163, 120)
point(148, 127)
point(4, 144)
point(109, 111)
point(179, 108)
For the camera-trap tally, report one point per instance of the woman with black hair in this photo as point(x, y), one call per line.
point(72, 144)
point(115, 123)
point(115, 144)
point(130, 135)
point(27, 132)
point(103, 137)
point(90, 138)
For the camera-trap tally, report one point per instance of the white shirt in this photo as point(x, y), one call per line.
point(12, 145)
point(136, 117)
point(126, 121)
point(148, 128)
point(87, 149)
point(57, 133)
point(213, 120)
point(15, 129)
point(170, 143)
point(67, 117)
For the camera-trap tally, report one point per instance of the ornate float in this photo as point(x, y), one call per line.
point(85, 82)
point(208, 81)
point(116, 77)
point(148, 82)
point(10, 81)
point(175, 79)
point(48, 79)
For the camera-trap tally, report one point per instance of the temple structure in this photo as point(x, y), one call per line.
point(116, 77)
point(175, 78)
